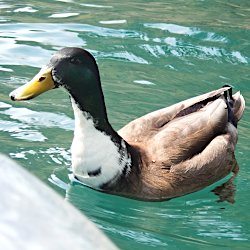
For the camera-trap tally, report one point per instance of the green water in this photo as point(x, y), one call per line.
point(151, 54)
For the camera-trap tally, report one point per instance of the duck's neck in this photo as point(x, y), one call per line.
point(99, 155)
point(92, 102)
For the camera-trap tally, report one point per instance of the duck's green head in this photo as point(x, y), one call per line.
point(74, 69)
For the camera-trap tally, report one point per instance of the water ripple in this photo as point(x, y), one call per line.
point(26, 9)
point(140, 237)
point(58, 155)
point(17, 39)
point(28, 122)
point(144, 82)
point(96, 5)
point(173, 28)
point(20, 131)
point(63, 15)
point(189, 31)
point(40, 119)
point(5, 69)
point(123, 56)
point(113, 21)
point(183, 50)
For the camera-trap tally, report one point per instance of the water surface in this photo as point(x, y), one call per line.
point(151, 54)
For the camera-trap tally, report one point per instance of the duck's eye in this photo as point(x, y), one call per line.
point(75, 61)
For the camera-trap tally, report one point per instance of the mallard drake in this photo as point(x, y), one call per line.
point(167, 153)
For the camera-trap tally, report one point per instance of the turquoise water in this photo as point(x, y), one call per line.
point(151, 54)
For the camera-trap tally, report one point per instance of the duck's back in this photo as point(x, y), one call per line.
point(143, 127)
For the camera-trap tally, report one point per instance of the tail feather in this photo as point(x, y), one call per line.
point(239, 105)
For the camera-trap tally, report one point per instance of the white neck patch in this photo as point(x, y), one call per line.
point(94, 152)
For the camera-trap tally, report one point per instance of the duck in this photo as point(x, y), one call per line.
point(167, 153)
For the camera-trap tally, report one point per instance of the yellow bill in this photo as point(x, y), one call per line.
point(41, 83)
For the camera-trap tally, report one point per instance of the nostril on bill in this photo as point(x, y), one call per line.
point(42, 78)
